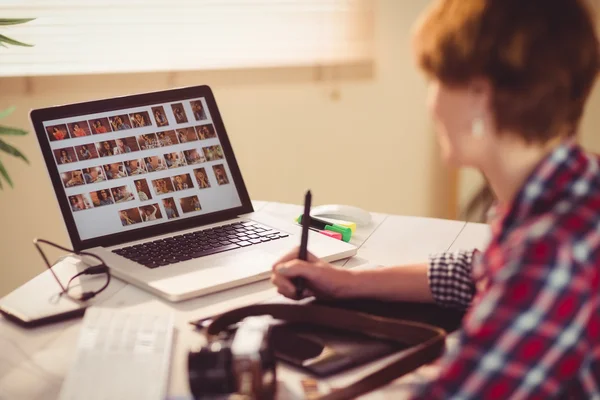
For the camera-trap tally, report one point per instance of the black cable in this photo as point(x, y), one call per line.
point(98, 269)
point(71, 280)
point(93, 270)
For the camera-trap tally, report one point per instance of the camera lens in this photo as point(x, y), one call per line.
point(211, 372)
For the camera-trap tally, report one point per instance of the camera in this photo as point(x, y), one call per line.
point(239, 360)
point(238, 364)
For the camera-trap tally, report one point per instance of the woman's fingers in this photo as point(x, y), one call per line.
point(313, 271)
point(284, 286)
point(298, 269)
point(293, 255)
point(284, 274)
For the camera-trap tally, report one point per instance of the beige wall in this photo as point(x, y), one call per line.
point(371, 146)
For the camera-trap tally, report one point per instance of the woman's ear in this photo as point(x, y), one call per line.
point(480, 92)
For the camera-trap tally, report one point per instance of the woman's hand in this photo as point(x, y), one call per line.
point(323, 280)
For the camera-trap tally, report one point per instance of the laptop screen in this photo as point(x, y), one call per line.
point(142, 166)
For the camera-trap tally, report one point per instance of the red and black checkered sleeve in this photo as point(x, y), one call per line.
point(450, 278)
point(528, 336)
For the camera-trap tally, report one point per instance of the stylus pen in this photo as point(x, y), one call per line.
point(303, 254)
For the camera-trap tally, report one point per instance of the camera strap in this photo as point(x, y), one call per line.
point(426, 342)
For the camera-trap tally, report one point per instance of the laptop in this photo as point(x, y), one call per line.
point(150, 183)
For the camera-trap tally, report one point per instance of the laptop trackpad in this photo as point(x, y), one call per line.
point(204, 273)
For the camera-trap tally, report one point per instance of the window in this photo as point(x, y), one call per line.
point(120, 36)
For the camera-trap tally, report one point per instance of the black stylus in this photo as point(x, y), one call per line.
point(303, 254)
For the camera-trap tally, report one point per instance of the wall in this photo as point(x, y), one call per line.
point(358, 135)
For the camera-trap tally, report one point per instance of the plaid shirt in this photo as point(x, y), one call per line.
point(532, 330)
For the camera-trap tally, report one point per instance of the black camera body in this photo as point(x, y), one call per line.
point(239, 364)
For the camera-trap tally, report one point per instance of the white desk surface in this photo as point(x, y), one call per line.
point(34, 362)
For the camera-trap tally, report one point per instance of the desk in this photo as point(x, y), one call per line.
point(33, 363)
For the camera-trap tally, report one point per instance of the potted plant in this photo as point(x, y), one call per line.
point(7, 130)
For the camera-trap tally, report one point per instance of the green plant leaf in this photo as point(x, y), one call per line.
point(7, 112)
point(7, 130)
point(7, 148)
point(5, 175)
point(14, 21)
point(14, 42)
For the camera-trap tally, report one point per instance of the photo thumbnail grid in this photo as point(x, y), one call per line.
point(104, 149)
point(120, 122)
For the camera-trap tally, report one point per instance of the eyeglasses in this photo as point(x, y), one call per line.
point(102, 268)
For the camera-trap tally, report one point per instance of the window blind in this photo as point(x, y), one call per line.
point(121, 36)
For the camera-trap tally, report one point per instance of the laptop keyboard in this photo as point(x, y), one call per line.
point(199, 244)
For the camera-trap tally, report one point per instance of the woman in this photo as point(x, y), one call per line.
point(136, 167)
point(125, 219)
point(201, 178)
point(77, 131)
point(170, 209)
point(65, 158)
point(204, 132)
point(200, 132)
point(198, 111)
point(150, 214)
point(123, 195)
point(121, 147)
point(150, 165)
point(99, 128)
point(178, 160)
point(84, 153)
point(164, 187)
point(169, 160)
point(75, 180)
point(127, 165)
point(108, 172)
point(58, 134)
point(219, 152)
point(508, 84)
point(140, 190)
point(208, 153)
point(117, 195)
point(104, 198)
point(144, 142)
point(161, 120)
point(139, 120)
point(95, 175)
point(158, 186)
point(164, 139)
point(119, 125)
point(182, 136)
point(221, 175)
point(75, 206)
point(105, 149)
point(180, 115)
point(118, 170)
point(180, 184)
point(195, 203)
point(208, 132)
point(191, 157)
point(87, 176)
